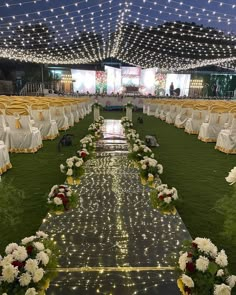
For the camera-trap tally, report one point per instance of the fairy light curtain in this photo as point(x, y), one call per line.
point(168, 34)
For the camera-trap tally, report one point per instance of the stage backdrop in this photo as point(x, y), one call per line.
point(101, 82)
point(147, 81)
point(113, 80)
point(181, 81)
point(84, 81)
point(130, 76)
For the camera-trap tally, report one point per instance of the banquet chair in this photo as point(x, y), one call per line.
point(75, 112)
point(175, 108)
point(5, 163)
point(69, 114)
point(226, 140)
point(184, 114)
point(23, 138)
point(194, 123)
point(210, 129)
point(58, 114)
point(4, 130)
point(164, 111)
point(42, 118)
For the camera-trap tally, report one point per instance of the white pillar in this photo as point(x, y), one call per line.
point(96, 113)
point(148, 110)
point(144, 109)
point(129, 113)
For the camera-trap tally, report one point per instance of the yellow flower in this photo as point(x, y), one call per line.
point(181, 286)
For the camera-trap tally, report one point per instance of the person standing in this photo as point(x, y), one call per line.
point(171, 89)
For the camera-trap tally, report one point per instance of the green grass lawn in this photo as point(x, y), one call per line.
point(35, 174)
point(195, 168)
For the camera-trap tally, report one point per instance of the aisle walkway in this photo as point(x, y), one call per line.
point(114, 242)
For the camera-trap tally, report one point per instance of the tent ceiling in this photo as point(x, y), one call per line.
point(168, 34)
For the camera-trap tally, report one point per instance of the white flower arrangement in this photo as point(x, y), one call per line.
point(149, 167)
point(139, 152)
point(231, 178)
point(164, 198)
point(203, 269)
point(24, 268)
point(73, 167)
point(126, 123)
point(61, 198)
point(88, 142)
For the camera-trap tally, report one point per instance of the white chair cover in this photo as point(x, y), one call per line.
point(194, 123)
point(74, 110)
point(4, 158)
point(165, 110)
point(4, 130)
point(69, 115)
point(226, 140)
point(172, 114)
point(209, 131)
point(58, 114)
point(182, 117)
point(24, 138)
point(43, 121)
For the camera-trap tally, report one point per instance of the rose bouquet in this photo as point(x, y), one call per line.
point(88, 143)
point(164, 198)
point(24, 269)
point(61, 198)
point(149, 169)
point(84, 154)
point(203, 269)
point(138, 152)
point(73, 169)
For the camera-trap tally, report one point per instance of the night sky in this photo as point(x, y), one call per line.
point(150, 14)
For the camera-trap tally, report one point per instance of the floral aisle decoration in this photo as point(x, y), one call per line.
point(203, 269)
point(84, 154)
point(61, 198)
point(164, 199)
point(129, 105)
point(24, 270)
point(231, 178)
point(100, 120)
point(95, 130)
point(132, 136)
point(88, 143)
point(149, 170)
point(73, 169)
point(126, 123)
point(138, 152)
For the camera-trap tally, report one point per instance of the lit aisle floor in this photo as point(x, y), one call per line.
point(114, 228)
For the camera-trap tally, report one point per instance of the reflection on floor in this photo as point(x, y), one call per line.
point(114, 242)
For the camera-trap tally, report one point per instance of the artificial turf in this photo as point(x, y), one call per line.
point(195, 168)
point(34, 175)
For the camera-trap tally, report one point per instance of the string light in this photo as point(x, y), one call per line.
point(79, 32)
point(114, 239)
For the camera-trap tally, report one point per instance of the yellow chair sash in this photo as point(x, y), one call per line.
point(17, 122)
point(40, 116)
